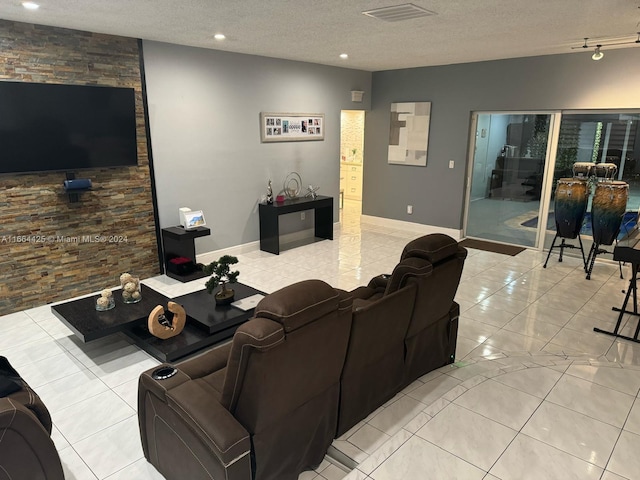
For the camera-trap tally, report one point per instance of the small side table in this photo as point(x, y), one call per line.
point(179, 242)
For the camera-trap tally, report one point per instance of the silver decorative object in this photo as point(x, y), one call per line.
point(292, 185)
point(269, 193)
point(312, 191)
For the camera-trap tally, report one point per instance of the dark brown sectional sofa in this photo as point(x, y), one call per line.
point(311, 364)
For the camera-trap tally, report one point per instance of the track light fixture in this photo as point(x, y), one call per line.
point(598, 53)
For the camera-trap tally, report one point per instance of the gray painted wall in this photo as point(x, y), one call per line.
point(571, 81)
point(204, 108)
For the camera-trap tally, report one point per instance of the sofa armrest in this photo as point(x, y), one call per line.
point(207, 363)
point(345, 299)
point(159, 387)
point(363, 293)
point(379, 283)
point(27, 449)
point(227, 438)
point(182, 416)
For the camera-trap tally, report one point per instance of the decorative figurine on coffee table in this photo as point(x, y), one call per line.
point(162, 327)
point(221, 274)
point(130, 288)
point(105, 301)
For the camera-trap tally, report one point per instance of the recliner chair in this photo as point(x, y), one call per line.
point(374, 368)
point(265, 405)
point(26, 448)
point(431, 338)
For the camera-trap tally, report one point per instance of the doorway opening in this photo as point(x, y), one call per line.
point(510, 155)
point(351, 162)
point(517, 159)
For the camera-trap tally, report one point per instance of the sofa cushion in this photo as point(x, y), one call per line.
point(434, 247)
point(298, 304)
point(258, 334)
point(407, 268)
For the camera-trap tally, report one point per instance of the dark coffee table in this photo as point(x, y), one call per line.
point(207, 323)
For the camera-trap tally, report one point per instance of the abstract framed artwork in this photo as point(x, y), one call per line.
point(291, 127)
point(409, 133)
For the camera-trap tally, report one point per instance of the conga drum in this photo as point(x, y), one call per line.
point(605, 170)
point(583, 169)
point(571, 199)
point(607, 210)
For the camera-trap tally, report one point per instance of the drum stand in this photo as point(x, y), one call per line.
point(632, 290)
point(591, 259)
point(562, 246)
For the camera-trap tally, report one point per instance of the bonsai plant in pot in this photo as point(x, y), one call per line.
point(221, 274)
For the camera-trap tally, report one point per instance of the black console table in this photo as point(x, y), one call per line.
point(179, 242)
point(270, 213)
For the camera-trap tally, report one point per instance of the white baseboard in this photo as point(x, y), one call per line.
point(209, 257)
point(414, 227)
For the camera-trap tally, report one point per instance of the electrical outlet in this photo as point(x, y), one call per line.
point(451, 163)
point(410, 209)
point(303, 215)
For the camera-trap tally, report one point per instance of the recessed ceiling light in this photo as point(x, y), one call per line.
point(219, 36)
point(30, 5)
point(344, 56)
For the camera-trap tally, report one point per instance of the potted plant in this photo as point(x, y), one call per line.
point(221, 274)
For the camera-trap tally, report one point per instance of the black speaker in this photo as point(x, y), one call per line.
point(77, 184)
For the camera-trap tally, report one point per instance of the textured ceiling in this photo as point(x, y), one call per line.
point(318, 31)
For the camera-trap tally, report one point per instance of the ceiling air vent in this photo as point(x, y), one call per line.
point(398, 13)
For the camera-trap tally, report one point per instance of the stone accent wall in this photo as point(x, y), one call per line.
point(51, 249)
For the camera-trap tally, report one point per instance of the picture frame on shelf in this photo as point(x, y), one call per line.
point(291, 127)
point(194, 219)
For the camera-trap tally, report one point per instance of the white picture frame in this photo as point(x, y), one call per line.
point(291, 127)
point(194, 219)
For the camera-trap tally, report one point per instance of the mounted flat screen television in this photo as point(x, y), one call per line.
point(46, 127)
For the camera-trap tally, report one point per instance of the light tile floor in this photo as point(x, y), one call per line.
point(535, 393)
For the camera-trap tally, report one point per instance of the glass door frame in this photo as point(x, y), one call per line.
point(547, 177)
point(586, 111)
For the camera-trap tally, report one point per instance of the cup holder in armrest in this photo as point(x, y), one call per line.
point(163, 373)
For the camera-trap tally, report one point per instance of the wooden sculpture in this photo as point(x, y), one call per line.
point(161, 327)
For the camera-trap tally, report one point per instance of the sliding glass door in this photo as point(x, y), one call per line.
point(599, 137)
point(510, 153)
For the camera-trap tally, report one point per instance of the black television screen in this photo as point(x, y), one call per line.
point(65, 127)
